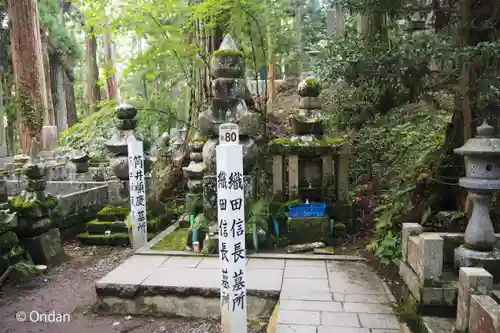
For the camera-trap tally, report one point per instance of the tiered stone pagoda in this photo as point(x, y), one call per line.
point(228, 106)
point(34, 207)
point(126, 122)
point(317, 164)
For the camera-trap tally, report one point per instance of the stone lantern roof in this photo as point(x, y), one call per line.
point(484, 144)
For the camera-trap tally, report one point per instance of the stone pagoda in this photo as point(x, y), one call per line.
point(126, 122)
point(228, 106)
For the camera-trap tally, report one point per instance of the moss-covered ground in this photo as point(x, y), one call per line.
point(174, 241)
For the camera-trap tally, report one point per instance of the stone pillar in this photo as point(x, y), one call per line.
point(278, 176)
point(293, 176)
point(432, 247)
point(484, 315)
point(409, 229)
point(339, 20)
point(50, 138)
point(330, 23)
point(342, 173)
point(471, 281)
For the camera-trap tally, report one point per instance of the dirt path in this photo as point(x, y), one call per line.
point(69, 289)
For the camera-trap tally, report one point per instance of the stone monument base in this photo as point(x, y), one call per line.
point(489, 260)
point(46, 248)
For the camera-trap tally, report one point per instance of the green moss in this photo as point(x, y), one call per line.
point(304, 148)
point(113, 213)
point(19, 203)
point(174, 241)
point(98, 227)
point(221, 53)
point(18, 170)
point(112, 210)
point(61, 164)
point(16, 250)
point(311, 81)
point(119, 238)
point(339, 226)
point(324, 142)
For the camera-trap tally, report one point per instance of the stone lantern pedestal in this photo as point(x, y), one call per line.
point(482, 179)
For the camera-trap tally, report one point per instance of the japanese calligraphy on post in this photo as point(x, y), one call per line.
point(231, 219)
point(137, 192)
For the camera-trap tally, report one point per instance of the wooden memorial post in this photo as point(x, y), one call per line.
point(231, 219)
point(137, 186)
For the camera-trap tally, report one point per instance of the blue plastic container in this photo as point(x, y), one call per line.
point(307, 210)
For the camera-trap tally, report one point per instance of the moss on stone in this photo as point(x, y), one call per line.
point(317, 147)
point(19, 203)
point(322, 142)
point(308, 230)
point(221, 53)
point(8, 240)
point(119, 238)
point(18, 170)
point(100, 227)
point(113, 213)
point(174, 241)
point(16, 250)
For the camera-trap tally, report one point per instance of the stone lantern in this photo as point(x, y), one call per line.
point(482, 178)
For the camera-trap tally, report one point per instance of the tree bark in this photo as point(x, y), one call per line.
point(48, 84)
point(70, 101)
point(27, 60)
point(93, 88)
point(58, 93)
point(110, 60)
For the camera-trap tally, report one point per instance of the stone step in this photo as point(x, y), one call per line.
point(97, 227)
point(113, 239)
point(111, 213)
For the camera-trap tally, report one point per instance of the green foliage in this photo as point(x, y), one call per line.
point(91, 132)
point(61, 38)
point(258, 213)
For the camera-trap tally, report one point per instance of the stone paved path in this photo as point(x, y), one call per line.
point(333, 297)
point(317, 296)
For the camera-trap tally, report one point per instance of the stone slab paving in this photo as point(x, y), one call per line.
point(316, 296)
point(333, 297)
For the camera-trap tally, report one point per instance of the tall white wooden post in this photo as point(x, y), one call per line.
point(231, 219)
point(137, 186)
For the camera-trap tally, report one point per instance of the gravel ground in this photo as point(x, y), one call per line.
point(69, 289)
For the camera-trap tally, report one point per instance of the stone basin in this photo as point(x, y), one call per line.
point(79, 202)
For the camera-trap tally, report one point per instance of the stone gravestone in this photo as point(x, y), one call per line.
point(231, 218)
point(137, 192)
